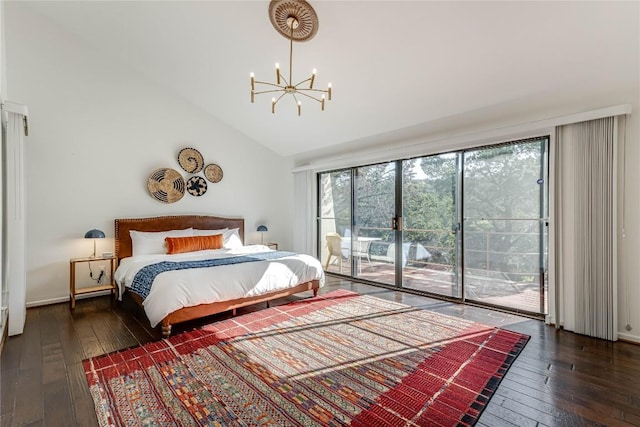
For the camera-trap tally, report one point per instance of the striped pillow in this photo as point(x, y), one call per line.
point(177, 245)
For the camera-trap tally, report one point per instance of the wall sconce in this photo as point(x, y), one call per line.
point(262, 229)
point(94, 234)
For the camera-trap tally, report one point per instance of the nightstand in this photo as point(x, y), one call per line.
point(272, 245)
point(73, 292)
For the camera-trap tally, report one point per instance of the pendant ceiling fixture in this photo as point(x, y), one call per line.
point(297, 21)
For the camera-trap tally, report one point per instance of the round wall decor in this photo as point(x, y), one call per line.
point(166, 185)
point(196, 186)
point(190, 160)
point(213, 173)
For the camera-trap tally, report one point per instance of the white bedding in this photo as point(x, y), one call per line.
point(173, 290)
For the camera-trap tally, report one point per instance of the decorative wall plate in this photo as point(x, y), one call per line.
point(190, 160)
point(213, 173)
point(196, 186)
point(166, 185)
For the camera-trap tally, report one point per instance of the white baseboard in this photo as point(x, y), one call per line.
point(629, 337)
point(64, 299)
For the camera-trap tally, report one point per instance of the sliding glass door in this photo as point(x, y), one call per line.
point(469, 225)
point(430, 212)
point(505, 225)
point(334, 220)
point(373, 238)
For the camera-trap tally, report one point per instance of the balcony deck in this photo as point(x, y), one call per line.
point(441, 280)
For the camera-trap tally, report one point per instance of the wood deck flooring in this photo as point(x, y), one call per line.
point(560, 379)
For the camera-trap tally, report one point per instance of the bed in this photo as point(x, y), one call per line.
point(280, 274)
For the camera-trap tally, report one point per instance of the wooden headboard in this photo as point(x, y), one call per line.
point(164, 223)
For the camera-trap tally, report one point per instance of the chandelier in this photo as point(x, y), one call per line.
point(295, 20)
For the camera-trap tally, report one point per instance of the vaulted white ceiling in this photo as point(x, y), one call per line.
point(395, 67)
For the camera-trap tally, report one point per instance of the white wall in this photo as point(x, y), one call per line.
point(3, 55)
point(629, 229)
point(3, 91)
point(97, 131)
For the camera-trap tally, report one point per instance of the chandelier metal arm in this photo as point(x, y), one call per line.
point(267, 91)
point(304, 81)
point(270, 84)
point(314, 90)
point(309, 96)
point(275, 101)
point(321, 100)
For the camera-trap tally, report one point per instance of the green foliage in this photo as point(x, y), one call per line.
point(500, 183)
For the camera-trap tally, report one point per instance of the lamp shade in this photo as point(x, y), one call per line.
point(94, 234)
point(262, 228)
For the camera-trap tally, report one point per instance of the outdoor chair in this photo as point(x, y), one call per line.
point(334, 242)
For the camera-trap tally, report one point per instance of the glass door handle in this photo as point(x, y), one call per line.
point(396, 223)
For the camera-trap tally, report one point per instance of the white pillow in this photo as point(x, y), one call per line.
point(162, 234)
point(151, 242)
point(197, 232)
point(231, 239)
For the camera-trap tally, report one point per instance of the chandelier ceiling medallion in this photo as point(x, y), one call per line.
point(297, 21)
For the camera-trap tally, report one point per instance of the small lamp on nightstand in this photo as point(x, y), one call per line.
point(262, 229)
point(94, 234)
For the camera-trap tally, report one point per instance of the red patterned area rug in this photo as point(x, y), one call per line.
point(334, 360)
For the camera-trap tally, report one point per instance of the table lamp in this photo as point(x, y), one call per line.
point(262, 229)
point(94, 234)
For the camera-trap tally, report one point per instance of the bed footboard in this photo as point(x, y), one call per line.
point(203, 310)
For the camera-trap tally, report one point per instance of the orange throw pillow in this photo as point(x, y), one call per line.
point(178, 245)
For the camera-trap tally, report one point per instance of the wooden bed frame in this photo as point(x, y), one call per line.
point(202, 222)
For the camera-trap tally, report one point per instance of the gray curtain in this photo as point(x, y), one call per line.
point(592, 240)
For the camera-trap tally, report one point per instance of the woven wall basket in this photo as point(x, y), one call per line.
point(166, 185)
point(196, 186)
point(213, 173)
point(190, 160)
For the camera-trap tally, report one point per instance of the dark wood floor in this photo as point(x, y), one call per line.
point(560, 379)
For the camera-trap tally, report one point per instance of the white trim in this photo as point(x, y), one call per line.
point(14, 251)
point(455, 142)
point(614, 226)
point(552, 316)
point(629, 337)
point(65, 299)
point(13, 107)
